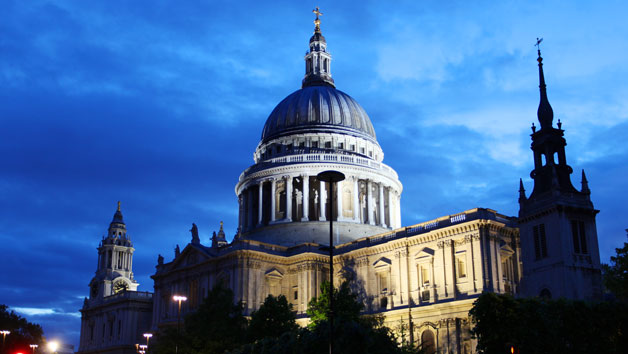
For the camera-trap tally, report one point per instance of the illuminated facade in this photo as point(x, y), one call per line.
point(425, 276)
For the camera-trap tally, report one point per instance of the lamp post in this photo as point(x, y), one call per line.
point(33, 346)
point(4, 333)
point(147, 336)
point(178, 298)
point(143, 348)
point(332, 177)
point(53, 346)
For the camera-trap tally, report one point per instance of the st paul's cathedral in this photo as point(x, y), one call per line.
point(425, 275)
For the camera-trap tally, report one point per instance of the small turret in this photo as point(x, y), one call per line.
point(585, 183)
point(522, 192)
point(219, 239)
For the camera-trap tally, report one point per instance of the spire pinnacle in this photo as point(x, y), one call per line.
point(585, 183)
point(118, 205)
point(317, 21)
point(545, 112)
point(522, 191)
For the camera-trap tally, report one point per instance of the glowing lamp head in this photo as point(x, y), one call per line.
point(148, 335)
point(179, 298)
point(53, 346)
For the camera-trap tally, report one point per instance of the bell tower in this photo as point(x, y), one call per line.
point(114, 272)
point(559, 245)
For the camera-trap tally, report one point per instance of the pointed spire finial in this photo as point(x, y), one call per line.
point(317, 21)
point(522, 191)
point(221, 226)
point(585, 183)
point(118, 205)
point(545, 112)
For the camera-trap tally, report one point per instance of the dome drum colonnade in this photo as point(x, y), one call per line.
point(314, 129)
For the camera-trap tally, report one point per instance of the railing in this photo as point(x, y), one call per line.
point(133, 295)
point(445, 221)
point(319, 157)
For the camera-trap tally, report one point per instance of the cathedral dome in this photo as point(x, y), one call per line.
point(318, 108)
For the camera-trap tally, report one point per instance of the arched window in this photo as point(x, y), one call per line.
point(428, 344)
point(545, 294)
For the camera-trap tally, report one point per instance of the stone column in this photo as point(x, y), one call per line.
point(322, 199)
point(369, 203)
point(240, 223)
point(398, 209)
point(306, 197)
point(356, 200)
point(250, 207)
point(391, 221)
point(339, 201)
point(382, 217)
point(273, 189)
point(260, 207)
point(288, 198)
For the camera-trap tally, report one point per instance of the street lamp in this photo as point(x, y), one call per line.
point(53, 346)
point(33, 346)
point(143, 348)
point(178, 298)
point(332, 177)
point(4, 333)
point(147, 336)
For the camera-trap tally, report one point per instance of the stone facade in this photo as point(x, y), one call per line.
point(424, 277)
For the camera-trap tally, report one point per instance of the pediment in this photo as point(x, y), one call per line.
point(273, 273)
point(424, 253)
point(190, 256)
point(506, 251)
point(382, 264)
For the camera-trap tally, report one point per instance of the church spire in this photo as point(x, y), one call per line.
point(585, 184)
point(545, 112)
point(317, 60)
point(522, 191)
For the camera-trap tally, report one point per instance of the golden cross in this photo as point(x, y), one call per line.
point(317, 12)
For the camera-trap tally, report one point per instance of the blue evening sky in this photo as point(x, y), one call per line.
point(160, 104)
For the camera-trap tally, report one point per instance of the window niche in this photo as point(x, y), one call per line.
point(384, 287)
point(425, 269)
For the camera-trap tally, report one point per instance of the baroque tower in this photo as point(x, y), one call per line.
point(559, 243)
point(114, 272)
point(116, 315)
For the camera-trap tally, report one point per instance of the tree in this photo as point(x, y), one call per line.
point(215, 327)
point(272, 319)
point(346, 306)
point(615, 275)
point(23, 333)
point(553, 326)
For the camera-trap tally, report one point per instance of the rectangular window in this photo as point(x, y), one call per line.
point(352, 147)
point(540, 241)
point(296, 294)
point(425, 275)
point(361, 150)
point(341, 146)
point(579, 237)
point(462, 269)
point(314, 144)
point(328, 144)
